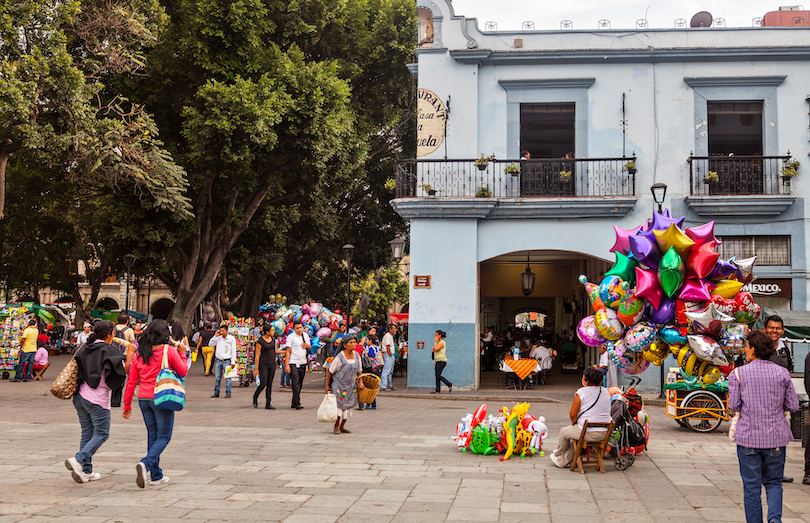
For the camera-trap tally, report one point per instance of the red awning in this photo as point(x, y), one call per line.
point(399, 318)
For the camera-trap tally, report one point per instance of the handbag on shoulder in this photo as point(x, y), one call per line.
point(67, 382)
point(170, 391)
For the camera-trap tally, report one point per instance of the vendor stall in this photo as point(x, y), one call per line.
point(242, 330)
point(13, 323)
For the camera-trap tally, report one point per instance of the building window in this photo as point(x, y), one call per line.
point(425, 27)
point(735, 128)
point(547, 130)
point(769, 250)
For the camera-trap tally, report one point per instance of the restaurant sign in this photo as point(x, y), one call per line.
point(770, 288)
point(421, 282)
point(431, 122)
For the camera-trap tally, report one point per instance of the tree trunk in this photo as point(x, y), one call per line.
point(3, 165)
point(252, 297)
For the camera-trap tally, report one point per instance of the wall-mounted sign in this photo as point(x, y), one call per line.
point(421, 282)
point(431, 122)
point(420, 344)
point(770, 288)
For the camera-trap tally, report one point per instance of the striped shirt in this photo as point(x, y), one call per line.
point(762, 395)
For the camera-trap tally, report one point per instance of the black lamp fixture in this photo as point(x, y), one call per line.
point(527, 278)
point(659, 192)
point(397, 248)
point(348, 251)
point(129, 260)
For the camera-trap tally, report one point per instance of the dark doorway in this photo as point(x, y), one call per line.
point(162, 308)
point(735, 147)
point(547, 130)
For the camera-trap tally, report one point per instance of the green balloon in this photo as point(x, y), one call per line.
point(624, 268)
point(671, 272)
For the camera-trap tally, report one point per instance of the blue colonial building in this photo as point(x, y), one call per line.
point(712, 113)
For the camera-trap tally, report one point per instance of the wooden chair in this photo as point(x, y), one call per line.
point(38, 373)
point(581, 461)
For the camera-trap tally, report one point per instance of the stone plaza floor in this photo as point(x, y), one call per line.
point(230, 462)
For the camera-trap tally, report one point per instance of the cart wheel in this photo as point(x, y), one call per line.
point(5, 375)
point(701, 421)
point(630, 459)
point(620, 463)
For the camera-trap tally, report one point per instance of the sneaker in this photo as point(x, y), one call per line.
point(556, 460)
point(73, 465)
point(80, 478)
point(93, 476)
point(371, 408)
point(13, 380)
point(140, 478)
point(806, 480)
point(228, 395)
point(161, 481)
point(215, 396)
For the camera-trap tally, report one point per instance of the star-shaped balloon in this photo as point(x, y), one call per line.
point(663, 221)
point(671, 272)
point(727, 288)
point(701, 260)
point(722, 270)
point(703, 233)
point(622, 244)
point(624, 268)
point(645, 250)
point(648, 287)
point(745, 269)
point(708, 320)
point(696, 290)
point(665, 314)
point(707, 349)
point(673, 236)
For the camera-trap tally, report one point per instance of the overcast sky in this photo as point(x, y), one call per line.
point(510, 14)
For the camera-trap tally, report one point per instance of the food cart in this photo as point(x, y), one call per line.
point(697, 407)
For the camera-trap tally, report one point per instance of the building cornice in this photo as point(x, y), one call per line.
point(734, 81)
point(631, 56)
point(513, 208)
point(737, 206)
point(550, 83)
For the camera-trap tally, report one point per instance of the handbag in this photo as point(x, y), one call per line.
point(170, 391)
point(327, 412)
point(732, 429)
point(67, 382)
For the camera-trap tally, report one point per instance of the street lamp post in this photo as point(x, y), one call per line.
point(397, 248)
point(348, 250)
point(659, 192)
point(129, 259)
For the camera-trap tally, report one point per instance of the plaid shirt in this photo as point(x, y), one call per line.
point(761, 396)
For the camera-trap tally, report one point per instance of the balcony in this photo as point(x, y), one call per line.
point(739, 185)
point(538, 188)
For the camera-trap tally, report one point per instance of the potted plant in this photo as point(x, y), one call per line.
point(711, 177)
point(630, 167)
point(483, 162)
point(512, 169)
point(791, 169)
point(565, 175)
point(484, 192)
point(428, 189)
point(390, 184)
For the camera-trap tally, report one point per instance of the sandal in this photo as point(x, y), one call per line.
point(337, 431)
point(345, 431)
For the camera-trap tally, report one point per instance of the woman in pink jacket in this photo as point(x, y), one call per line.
point(159, 422)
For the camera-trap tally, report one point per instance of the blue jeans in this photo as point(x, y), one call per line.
point(95, 422)
point(23, 372)
point(159, 425)
point(762, 467)
point(387, 371)
point(285, 377)
point(219, 370)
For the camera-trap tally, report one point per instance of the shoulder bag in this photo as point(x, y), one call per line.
point(67, 382)
point(732, 428)
point(592, 405)
point(170, 392)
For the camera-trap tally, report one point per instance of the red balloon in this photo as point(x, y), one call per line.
point(701, 260)
point(725, 305)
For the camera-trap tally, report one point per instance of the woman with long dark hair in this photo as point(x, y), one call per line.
point(180, 340)
point(101, 371)
point(264, 364)
point(159, 422)
point(440, 361)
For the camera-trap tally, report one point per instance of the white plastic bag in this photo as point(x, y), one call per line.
point(327, 412)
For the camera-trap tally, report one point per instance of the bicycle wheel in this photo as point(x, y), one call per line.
point(705, 421)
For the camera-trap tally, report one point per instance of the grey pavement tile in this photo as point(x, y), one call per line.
point(365, 518)
point(473, 514)
point(430, 507)
point(311, 518)
point(375, 507)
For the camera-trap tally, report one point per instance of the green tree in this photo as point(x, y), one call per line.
point(377, 293)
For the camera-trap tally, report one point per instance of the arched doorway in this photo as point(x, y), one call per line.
point(546, 313)
point(162, 308)
point(107, 304)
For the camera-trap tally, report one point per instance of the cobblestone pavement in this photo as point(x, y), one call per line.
point(230, 462)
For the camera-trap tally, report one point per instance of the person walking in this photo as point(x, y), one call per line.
point(388, 349)
point(159, 422)
point(761, 392)
point(343, 379)
point(264, 365)
point(204, 344)
point(28, 348)
point(101, 371)
point(440, 361)
point(295, 361)
point(225, 356)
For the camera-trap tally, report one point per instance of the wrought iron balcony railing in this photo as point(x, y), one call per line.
point(535, 178)
point(738, 175)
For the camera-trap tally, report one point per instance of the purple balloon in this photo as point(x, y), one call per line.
point(588, 333)
point(645, 250)
point(665, 314)
point(662, 221)
point(722, 270)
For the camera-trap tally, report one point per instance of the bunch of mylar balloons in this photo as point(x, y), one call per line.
point(668, 292)
point(319, 322)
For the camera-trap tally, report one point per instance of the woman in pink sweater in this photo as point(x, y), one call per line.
point(159, 422)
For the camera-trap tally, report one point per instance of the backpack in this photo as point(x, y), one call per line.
point(120, 333)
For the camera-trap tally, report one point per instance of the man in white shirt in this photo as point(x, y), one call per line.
point(225, 356)
point(295, 361)
point(388, 348)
